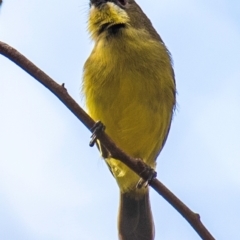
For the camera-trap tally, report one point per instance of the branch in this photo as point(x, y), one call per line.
point(137, 165)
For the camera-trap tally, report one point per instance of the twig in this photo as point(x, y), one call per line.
point(137, 165)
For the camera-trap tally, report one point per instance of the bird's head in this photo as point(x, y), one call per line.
point(109, 17)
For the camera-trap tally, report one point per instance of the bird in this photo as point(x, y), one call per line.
point(129, 85)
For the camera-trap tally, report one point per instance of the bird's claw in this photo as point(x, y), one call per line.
point(150, 173)
point(96, 129)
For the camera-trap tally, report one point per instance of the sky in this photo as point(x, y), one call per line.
point(54, 187)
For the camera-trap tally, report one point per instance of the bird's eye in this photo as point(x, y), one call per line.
point(122, 2)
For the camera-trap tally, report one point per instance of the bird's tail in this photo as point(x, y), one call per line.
point(135, 220)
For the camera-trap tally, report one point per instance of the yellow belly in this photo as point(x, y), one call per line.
point(133, 99)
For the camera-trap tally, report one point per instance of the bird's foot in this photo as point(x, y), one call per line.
point(96, 130)
point(149, 174)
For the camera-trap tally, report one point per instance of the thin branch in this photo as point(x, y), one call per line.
point(137, 165)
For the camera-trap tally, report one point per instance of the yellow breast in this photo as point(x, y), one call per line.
point(129, 85)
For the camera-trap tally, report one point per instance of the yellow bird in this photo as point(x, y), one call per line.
point(128, 83)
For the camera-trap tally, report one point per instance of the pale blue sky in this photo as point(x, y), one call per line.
point(54, 187)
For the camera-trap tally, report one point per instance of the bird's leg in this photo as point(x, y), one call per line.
point(96, 130)
point(147, 175)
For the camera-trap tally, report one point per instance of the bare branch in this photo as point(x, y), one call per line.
point(137, 165)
